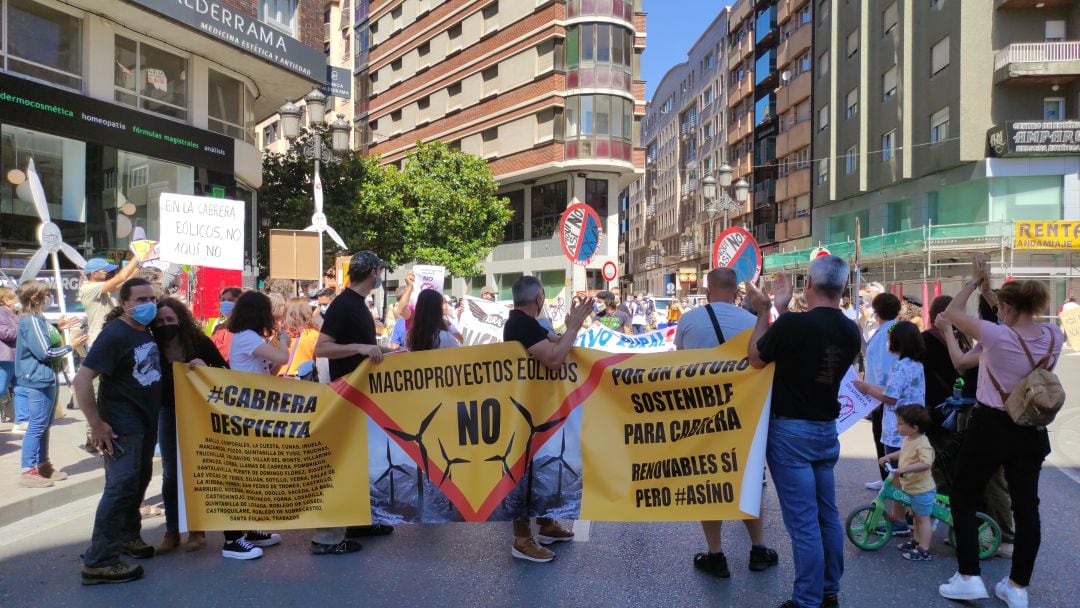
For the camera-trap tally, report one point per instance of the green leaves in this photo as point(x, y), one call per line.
point(440, 208)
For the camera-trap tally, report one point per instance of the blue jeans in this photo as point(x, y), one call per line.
point(118, 520)
point(39, 404)
point(167, 443)
point(801, 455)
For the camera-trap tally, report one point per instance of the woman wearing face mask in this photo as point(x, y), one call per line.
point(179, 341)
point(35, 383)
point(215, 328)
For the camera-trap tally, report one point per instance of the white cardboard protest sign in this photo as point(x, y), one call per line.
point(854, 406)
point(482, 321)
point(427, 277)
point(202, 231)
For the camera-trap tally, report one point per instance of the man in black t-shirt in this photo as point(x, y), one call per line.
point(347, 338)
point(123, 426)
point(812, 351)
point(612, 317)
point(522, 326)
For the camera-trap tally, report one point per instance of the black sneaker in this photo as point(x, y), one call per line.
point(712, 563)
point(373, 530)
point(762, 559)
point(116, 573)
point(345, 546)
point(831, 600)
point(917, 555)
point(262, 539)
point(241, 548)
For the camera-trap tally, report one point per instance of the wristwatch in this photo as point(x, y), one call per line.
point(971, 283)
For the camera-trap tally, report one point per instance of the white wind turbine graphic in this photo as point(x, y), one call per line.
point(49, 237)
point(318, 221)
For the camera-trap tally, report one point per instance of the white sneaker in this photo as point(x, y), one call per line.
point(1015, 597)
point(874, 485)
point(20, 429)
point(960, 588)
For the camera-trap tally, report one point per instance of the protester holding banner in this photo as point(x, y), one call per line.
point(812, 351)
point(178, 340)
point(299, 324)
point(522, 326)
point(879, 362)
point(123, 420)
point(709, 327)
point(347, 339)
point(430, 328)
point(96, 292)
point(35, 383)
point(993, 439)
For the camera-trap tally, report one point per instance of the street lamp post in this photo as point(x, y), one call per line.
point(315, 150)
point(725, 203)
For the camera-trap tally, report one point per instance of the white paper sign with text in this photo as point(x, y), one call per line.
point(202, 231)
point(427, 277)
point(854, 406)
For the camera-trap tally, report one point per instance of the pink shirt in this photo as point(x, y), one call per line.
point(1003, 355)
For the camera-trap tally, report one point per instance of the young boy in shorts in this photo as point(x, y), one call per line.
point(913, 476)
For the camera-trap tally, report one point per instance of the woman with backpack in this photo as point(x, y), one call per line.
point(1010, 353)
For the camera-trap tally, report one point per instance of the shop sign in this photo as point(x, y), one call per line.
point(1034, 138)
point(1034, 234)
point(245, 32)
point(36, 106)
point(338, 83)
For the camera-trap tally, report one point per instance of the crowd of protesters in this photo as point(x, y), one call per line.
point(135, 333)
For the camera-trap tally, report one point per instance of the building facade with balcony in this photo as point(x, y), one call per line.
point(793, 109)
point(119, 101)
point(683, 134)
point(548, 92)
point(936, 125)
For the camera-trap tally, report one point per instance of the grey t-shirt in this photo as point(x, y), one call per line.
point(98, 303)
point(695, 329)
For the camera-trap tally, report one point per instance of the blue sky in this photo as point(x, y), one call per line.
point(672, 26)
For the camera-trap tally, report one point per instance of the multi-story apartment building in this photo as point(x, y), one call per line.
point(547, 91)
point(120, 101)
point(683, 136)
point(793, 107)
point(740, 96)
point(937, 124)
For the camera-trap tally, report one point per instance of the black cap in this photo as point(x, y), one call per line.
point(364, 262)
point(605, 295)
point(914, 301)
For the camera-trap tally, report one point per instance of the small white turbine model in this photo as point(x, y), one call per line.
point(49, 237)
point(319, 224)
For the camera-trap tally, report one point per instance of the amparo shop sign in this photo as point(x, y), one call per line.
point(1034, 138)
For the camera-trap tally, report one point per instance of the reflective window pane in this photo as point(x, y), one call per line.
point(44, 43)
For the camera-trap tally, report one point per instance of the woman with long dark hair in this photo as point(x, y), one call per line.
point(179, 340)
point(430, 328)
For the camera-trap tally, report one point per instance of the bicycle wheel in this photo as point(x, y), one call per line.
point(868, 529)
point(989, 536)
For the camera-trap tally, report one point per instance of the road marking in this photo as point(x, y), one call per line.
point(582, 529)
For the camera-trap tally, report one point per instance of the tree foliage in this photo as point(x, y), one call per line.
point(440, 208)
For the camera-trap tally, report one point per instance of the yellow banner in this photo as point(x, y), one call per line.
point(267, 452)
point(1032, 234)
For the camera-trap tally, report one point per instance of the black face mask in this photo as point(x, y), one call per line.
point(166, 333)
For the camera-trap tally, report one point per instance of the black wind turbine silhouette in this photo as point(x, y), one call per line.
point(422, 470)
point(449, 463)
point(502, 458)
point(561, 461)
point(533, 430)
point(389, 472)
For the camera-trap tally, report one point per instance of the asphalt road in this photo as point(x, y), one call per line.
point(610, 564)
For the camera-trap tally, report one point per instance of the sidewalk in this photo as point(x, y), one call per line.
point(86, 477)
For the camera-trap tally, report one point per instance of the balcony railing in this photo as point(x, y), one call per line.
point(1037, 52)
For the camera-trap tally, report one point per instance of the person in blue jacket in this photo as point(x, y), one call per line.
point(38, 347)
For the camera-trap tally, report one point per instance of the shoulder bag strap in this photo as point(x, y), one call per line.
point(292, 351)
point(715, 324)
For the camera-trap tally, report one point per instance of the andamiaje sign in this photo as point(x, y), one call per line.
point(1034, 138)
point(215, 19)
point(1038, 234)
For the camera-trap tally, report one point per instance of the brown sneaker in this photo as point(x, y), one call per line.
point(168, 543)
point(195, 541)
point(528, 549)
point(554, 533)
point(33, 479)
point(46, 470)
point(116, 573)
point(137, 548)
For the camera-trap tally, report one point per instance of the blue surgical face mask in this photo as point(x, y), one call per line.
point(312, 293)
point(144, 313)
point(226, 307)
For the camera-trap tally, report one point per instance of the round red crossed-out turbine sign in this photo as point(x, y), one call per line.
point(580, 231)
point(735, 248)
point(609, 271)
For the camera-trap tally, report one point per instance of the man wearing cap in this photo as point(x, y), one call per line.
point(96, 292)
point(611, 317)
point(347, 338)
point(488, 293)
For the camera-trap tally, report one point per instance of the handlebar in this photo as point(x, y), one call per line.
point(889, 467)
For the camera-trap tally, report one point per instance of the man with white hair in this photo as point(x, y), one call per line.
point(812, 351)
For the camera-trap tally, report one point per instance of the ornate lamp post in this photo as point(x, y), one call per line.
point(725, 203)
